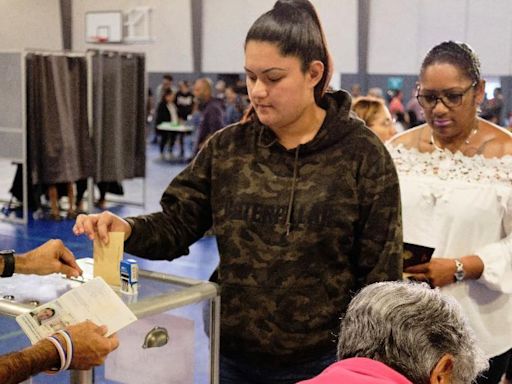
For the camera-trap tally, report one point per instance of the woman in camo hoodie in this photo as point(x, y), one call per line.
point(303, 200)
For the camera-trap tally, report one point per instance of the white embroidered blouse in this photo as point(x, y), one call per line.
point(462, 206)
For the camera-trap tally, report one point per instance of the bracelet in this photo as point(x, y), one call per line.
point(62, 354)
point(69, 348)
point(8, 256)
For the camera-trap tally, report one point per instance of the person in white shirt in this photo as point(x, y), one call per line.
point(455, 176)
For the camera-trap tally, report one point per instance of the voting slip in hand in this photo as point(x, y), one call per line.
point(107, 258)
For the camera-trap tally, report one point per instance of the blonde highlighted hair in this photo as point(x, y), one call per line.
point(367, 108)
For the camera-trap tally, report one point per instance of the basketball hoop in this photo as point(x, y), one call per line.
point(99, 39)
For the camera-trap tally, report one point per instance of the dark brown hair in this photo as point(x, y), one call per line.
point(294, 26)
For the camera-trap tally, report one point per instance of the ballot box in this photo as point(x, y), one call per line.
point(174, 340)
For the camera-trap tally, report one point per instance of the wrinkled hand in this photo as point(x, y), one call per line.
point(100, 225)
point(51, 257)
point(437, 273)
point(90, 346)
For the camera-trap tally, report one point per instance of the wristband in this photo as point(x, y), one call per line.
point(69, 348)
point(8, 256)
point(62, 354)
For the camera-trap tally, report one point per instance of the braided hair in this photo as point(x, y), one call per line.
point(458, 54)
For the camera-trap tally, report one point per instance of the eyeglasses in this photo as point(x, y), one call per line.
point(450, 100)
point(384, 123)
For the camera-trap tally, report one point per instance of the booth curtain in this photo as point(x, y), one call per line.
point(58, 143)
point(118, 115)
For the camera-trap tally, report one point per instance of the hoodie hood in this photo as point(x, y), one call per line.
point(358, 370)
point(337, 106)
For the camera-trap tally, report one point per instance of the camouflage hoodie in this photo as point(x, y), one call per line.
point(298, 230)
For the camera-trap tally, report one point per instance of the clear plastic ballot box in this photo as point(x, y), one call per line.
point(174, 340)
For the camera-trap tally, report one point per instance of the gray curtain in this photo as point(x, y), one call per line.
point(119, 115)
point(59, 147)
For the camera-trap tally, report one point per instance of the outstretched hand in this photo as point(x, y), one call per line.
point(51, 257)
point(100, 224)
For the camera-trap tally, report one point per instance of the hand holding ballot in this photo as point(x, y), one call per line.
point(100, 224)
point(90, 345)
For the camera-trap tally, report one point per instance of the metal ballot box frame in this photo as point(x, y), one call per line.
point(158, 294)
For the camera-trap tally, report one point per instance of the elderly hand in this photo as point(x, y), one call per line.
point(100, 225)
point(51, 257)
point(90, 346)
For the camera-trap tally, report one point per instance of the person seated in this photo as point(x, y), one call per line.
point(404, 332)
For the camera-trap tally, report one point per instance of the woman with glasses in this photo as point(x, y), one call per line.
point(456, 187)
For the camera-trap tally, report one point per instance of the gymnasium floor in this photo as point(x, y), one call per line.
point(199, 264)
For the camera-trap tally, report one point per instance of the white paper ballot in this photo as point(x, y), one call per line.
point(93, 300)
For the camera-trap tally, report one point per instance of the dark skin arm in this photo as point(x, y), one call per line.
point(439, 272)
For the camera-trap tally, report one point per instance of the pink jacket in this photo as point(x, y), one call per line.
point(358, 370)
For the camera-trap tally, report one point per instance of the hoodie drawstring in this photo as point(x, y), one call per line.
point(292, 193)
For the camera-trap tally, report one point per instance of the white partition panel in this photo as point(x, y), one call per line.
point(226, 22)
point(12, 124)
point(12, 110)
point(11, 107)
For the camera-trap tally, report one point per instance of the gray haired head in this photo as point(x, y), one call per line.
point(410, 327)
